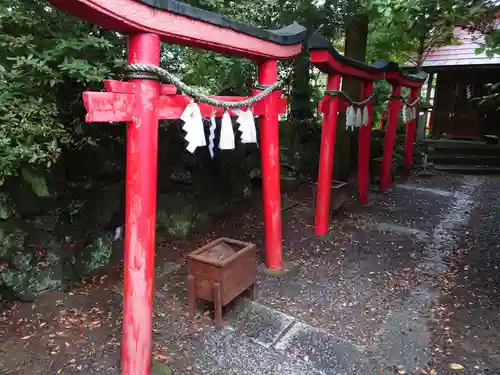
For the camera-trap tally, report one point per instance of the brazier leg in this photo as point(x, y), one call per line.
point(191, 296)
point(252, 293)
point(217, 305)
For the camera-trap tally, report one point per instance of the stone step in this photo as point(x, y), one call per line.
point(455, 159)
point(473, 169)
point(462, 148)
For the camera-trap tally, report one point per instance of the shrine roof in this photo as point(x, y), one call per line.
point(460, 54)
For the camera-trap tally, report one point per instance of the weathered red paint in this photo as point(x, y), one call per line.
point(390, 139)
point(270, 155)
point(410, 135)
point(364, 147)
point(327, 152)
point(323, 105)
point(131, 17)
point(326, 62)
point(140, 210)
point(397, 79)
point(118, 103)
point(428, 126)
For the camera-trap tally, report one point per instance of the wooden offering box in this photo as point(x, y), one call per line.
point(337, 198)
point(219, 272)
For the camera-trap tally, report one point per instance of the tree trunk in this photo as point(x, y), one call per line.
point(355, 48)
point(301, 90)
point(301, 112)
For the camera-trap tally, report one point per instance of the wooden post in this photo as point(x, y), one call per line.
point(270, 154)
point(327, 152)
point(140, 211)
point(364, 146)
point(410, 133)
point(422, 125)
point(390, 138)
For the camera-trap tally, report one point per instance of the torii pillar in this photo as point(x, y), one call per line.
point(398, 79)
point(364, 143)
point(411, 127)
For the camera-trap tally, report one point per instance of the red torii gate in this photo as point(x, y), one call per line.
point(331, 62)
point(398, 79)
point(142, 102)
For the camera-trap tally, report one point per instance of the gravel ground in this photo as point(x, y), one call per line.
point(408, 284)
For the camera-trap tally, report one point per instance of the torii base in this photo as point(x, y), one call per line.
point(287, 267)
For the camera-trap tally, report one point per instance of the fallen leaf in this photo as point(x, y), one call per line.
point(456, 366)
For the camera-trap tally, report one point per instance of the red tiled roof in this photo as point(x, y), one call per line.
point(460, 54)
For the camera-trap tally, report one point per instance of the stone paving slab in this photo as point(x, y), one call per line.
point(261, 324)
point(323, 350)
point(225, 352)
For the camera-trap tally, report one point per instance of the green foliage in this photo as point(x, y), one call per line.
point(95, 255)
point(407, 29)
point(47, 58)
point(493, 95)
point(483, 17)
point(218, 73)
point(36, 181)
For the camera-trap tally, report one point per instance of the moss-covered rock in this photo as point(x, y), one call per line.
point(179, 214)
point(11, 241)
point(96, 254)
point(7, 209)
point(21, 260)
point(45, 222)
point(175, 214)
point(101, 207)
point(36, 181)
point(28, 285)
point(26, 277)
point(22, 196)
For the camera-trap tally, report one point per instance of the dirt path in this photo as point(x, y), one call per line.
point(408, 284)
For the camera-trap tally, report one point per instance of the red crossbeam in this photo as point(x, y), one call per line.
point(329, 64)
point(117, 103)
point(397, 79)
point(324, 104)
